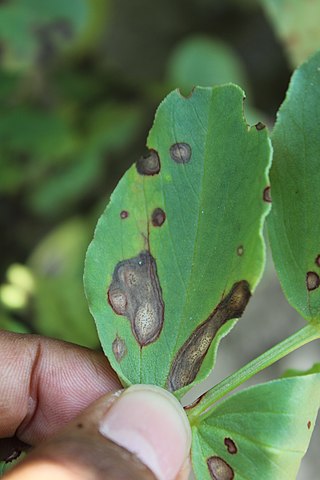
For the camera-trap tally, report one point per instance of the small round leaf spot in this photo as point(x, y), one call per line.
point(119, 348)
point(149, 164)
point(309, 425)
point(267, 194)
point(219, 469)
point(231, 446)
point(312, 280)
point(240, 250)
point(260, 126)
point(180, 152)
point(158, 217)
point(317, 261)
point(124, 214)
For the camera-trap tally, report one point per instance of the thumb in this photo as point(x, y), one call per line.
point(144, 420)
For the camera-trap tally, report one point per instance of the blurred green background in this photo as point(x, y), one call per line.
point(79, 84)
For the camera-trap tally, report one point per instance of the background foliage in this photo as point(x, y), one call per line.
point(79, 84)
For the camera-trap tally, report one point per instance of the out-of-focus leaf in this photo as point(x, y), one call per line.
point(43, 133)
point(294, 226)
point(206, 62)
point(59, 302)
point(296, 23)
point(297, 373)
point(33, 31)
point(31, 140)
point(8, 85)
point(259, 433)
point(12, 325)
point(165, 270)
point(110, 128)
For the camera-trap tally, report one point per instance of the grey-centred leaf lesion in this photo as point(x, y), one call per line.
point(189, 358)
point(135, 293)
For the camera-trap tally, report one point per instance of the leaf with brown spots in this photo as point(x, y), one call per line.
point(171, 276)
point(261, 432)
point(294, 226)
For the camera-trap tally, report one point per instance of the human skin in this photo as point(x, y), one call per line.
point(67, 403)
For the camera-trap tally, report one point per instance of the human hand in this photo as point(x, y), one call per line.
point(44, 384)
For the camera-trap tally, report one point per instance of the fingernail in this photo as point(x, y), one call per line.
point(150, 422)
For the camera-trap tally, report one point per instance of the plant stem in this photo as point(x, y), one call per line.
point(305, 335)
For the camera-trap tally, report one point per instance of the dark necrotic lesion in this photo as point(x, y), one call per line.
point(189, 358)
point(219, 469)
point(149, 164)
point(135, 293)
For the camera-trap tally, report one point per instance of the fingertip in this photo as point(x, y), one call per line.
point(151, 423)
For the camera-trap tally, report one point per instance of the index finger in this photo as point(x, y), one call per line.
point(45, 383)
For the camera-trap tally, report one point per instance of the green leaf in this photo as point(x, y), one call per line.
point(111, 127)
point(298, 373)
point(38, 131)
point(203, 61)
point(32, 140)
point(10, 324)
point(259, 433)
point(33, 31)
point(59, 306)
point(179, 248)
point(296, 23)
point(294, 226)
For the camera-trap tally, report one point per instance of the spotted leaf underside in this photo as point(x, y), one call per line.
point(178, 251)
point(260, 432)
point(294, 226)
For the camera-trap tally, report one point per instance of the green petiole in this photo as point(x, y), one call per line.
point(303, 336)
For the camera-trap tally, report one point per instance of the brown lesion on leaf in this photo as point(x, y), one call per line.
point(317, 260)
point(312, 281)
point(260, 126)
point(267, 194)
point(309, 424)
point(189, 358)
point(119, 348)
point(149, 164)
point(240, 250)
point(158, 217)
point(219, 469)
point(231, 446)
point(193, 404)
point(180, 152)
point(124, 214)
point(135, 293)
